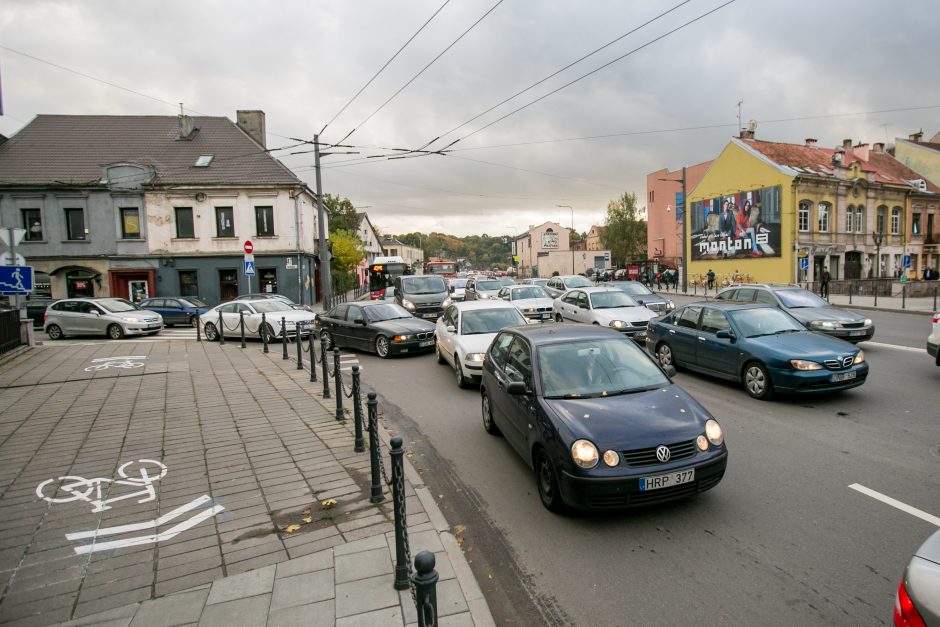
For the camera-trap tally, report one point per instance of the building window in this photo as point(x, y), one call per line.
point(264, 221)
point(804, 216)
point(895, 221)
point(859, 219)
point(224, 222)
point(130, 223)
point(189, 286)
point(823, 215)
point(75, 224)
point(915, 223)
point(881, 219)
point(32, 222)
point(267, 278)
point(184, 223)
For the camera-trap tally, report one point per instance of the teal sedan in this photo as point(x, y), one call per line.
point(761, 346)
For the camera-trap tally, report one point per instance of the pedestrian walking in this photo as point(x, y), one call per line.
point(824, 284)
point(659, 280)
point(675, 280)
point(711, 279)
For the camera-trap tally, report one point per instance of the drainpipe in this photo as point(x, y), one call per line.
point(300, 292)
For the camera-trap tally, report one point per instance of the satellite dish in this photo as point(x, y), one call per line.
point(752, 124)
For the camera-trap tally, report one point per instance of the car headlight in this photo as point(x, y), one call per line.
point(584, 454)
point(475, 356)
point(867, 322)
point(702, 443)
point(804, 364)
point(860, 358)
point(713, 432)
point(612, 458)
point(670, 304)
point(618, 324)
point(823, 324)
point(447, 302)
point(482, 295)
point(402, 338)
point(529, 310)
point(129, 319)
point(407, 304)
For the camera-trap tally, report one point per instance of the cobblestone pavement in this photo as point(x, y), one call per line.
point(236, 531)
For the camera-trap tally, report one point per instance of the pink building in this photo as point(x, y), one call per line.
point(663, 231)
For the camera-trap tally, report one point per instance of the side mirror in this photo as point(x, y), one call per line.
point(670, 371)
point(450, 328)
point(450, 288)
point(725, 335)
point(516, 388)
point(361, 321)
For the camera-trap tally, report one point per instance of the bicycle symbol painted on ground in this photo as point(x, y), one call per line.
point(103, 363)
point(140, 474)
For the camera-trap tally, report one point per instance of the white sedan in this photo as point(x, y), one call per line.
point(227, 316)
point(606, 307)
point(533, 301)
point(464, 333)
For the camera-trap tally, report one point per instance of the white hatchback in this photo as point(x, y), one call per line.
point(606, 307)
point(933, 340)
point(466, 330)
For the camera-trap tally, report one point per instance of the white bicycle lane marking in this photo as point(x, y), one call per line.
point(904, 507)
point(103, 363)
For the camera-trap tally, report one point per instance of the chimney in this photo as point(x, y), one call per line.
point(846, 144)
point(879, 148)
point(252, 122)
point(747, 133)
point(187, 127)
point(861, 152)
point(810, 142)
point(916, 137)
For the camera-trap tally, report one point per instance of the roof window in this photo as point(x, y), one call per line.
point(203, 161)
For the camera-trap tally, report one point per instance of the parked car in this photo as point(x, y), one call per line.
point(175, 309)
point(917, 601)
point(464, 333)
point(606, 307)
point(933, 340)
point(645, 296)
point(263, 319)
point(36, 310)
point(761, 346)
point(598, 420)
point(456, 289)
point(481, 288)
point(113, 317)
point(539, 282)
point(558, 285)
point(813, 312)
point(383, 328)
point(273, 296)
point(533, 301)
point(422, 296)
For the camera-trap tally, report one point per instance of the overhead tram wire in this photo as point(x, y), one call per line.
point(413, 78)
point(594, 71)
point(382, 69)
point(570, 65)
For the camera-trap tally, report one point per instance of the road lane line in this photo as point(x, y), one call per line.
point(904, 507)
point(897, 347)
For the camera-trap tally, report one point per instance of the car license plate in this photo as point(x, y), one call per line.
point(842, 376)
point(153, 326)
point(856, 333)
point(667, 480)
point(425, 342)
point(430, 315)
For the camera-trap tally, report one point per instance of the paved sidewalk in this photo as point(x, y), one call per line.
point(239, 531)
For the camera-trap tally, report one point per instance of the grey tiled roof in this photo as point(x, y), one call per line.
point(72, 148)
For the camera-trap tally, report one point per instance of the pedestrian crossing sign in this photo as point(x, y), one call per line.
point(249, 268)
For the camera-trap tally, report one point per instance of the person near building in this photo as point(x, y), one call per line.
point(711, 279)
point(824, 283)
point(659, 279)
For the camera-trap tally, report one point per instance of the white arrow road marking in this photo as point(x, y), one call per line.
point(150, 524)
point(904, 507)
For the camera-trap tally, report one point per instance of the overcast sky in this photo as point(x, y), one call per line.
point(840, 65)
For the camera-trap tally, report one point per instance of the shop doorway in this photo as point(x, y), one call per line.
point(228, 285)
point(138, 291)
point(853, 265)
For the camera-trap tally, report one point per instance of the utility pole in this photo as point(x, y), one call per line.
point(685, 220)
point(325, 279)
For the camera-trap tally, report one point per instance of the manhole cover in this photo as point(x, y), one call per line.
point(935, 451)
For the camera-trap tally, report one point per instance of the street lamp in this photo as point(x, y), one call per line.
point(685, 269)
point(877, 236)
point(569, 237)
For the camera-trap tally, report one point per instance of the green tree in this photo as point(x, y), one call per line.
point(342, 214)
point(348, 253)
point(625, 235)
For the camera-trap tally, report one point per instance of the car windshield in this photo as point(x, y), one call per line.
point(539, 282)
point(524, 293)
point(268, 305)
point(489, 320)
point(385, 311)
point(116, 305)
point(596, 368)
point(489, 286)
point(611, 299)
point(192, 302)
point(458, 283)
point(423, 285)
point(800, 298)
point(633, 288)
point(577, 281)
point(506, 281)
point(764, 321)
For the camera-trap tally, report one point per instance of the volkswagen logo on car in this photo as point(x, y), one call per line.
point(663, 453)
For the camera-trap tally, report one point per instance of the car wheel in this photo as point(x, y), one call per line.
point(757, 382)
point(192, 321)
point(115, 332)
point(488, 423)
point(440, 355)
point(558, 318)
point(382, 347)
point(547, 481)
point(212, 334)
point(54, 332)
point(328, 343)
point(458, 371)
point(664, 355)
point(266, 333)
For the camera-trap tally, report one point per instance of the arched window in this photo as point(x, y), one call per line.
point(804, 215)
point(823, 213)
point(896, 221)
point(881, 220)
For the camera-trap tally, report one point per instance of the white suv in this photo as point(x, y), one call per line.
point(933, 340)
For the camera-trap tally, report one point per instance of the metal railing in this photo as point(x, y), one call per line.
point(9, 330)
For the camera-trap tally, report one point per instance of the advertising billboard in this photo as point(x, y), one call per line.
point(742, 225)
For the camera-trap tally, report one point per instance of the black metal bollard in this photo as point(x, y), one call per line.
point(241, 326)
point(339, 384)
point(402, 567)
point(221, 329)
point(313, 358)
point(376, 489)
point(264, 333)
point(935, 299)
point(875, 289)
point(425, 581)
point(903, 295)
point(198, 335)
point(284, 337)
point(326, 367)
point(359, 445)
point(850, 293)
point(300, 347)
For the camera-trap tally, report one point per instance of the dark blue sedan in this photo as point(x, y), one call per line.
point(765, 348)
point(175, 309)
point(598, 420)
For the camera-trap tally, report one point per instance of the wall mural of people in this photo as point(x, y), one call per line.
point(742, 225)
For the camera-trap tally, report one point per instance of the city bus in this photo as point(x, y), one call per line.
point(382, 273)
point(441, 267)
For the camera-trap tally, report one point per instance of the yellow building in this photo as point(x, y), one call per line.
point(781, 213)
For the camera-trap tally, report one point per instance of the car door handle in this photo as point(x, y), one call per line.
point(671, 332)
point(701, 339)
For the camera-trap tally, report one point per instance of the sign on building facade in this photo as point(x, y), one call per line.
point(742, 225)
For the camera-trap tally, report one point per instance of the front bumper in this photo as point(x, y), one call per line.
point(411, 346)
point(601, 493)
point(933, 349)
point(849, 335)
point(134, 328)
point(814, 381)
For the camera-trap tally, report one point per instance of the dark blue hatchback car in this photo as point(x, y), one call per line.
point(175, 309)
point(598, 420)
point(764, 347)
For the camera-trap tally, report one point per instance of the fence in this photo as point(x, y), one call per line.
point(9, 330)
